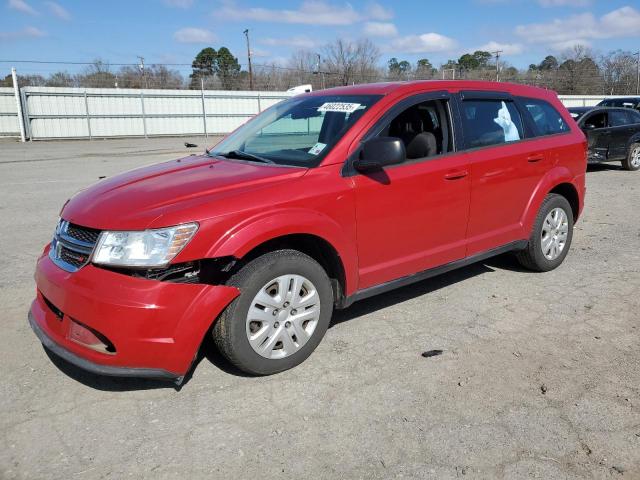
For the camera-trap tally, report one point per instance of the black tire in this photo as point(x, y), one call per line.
point(532, 257)
point(229, 331)
point(627, 163)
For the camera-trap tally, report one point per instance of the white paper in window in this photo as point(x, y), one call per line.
point(504, 120)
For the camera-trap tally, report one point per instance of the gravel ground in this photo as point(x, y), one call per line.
point(539, 375)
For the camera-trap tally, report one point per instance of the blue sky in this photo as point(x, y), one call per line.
point(173, 31)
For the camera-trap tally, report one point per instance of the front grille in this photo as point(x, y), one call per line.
point(73, 258)
point(72, 245)
point(84, 234)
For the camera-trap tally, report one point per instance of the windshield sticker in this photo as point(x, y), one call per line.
point(317, 148)
point(339, 107)
point(504, 120)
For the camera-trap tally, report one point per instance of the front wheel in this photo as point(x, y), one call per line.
point(551, 237)
point(632, 162)
point(279, 318)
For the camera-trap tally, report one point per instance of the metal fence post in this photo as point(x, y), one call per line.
point(86, 109)
point(144, 115)
point(259, 104)
point(16, 92)
point(204, 111)
point(25, 113)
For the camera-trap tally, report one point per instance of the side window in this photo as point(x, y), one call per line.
point(618, 118)
point(490, 122)
point(424, 129)
point(635, 116)
point(597, 120)
point(546, 119)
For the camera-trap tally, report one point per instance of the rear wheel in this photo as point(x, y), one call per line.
point(632, 162)
point(551, 237)
point(279, 318)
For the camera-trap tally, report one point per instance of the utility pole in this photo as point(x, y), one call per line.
point(497, 55)
point(318, 71)
point(246, 34)
point(141, 66)
point(638, 73)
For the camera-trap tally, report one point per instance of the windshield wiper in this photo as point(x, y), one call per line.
point(240, 154)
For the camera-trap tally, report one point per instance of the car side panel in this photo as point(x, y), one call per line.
point(322, 206)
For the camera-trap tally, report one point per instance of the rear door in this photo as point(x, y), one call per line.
point(504, 168)
point(621, 129)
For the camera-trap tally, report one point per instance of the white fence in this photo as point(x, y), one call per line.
point(9, 120)
point(581, 100)
point(56, 113)
point(51, 113)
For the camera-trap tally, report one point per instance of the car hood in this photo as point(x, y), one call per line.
point(183, 190)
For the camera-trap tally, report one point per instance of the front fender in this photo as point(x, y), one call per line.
point(260, 228)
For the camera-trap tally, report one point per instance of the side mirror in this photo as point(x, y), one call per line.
point(380, 152)
point(588, 126)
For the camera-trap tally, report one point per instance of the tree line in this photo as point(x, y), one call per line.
point(577, 71)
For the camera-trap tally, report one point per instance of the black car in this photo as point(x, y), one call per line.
point(613, 135)
point(621, 102)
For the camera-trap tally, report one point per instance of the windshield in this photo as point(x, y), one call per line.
point(298, 132)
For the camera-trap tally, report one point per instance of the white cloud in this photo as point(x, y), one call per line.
point(58, 10)
point(194, 35)
point(564, 3)
point(179, 3)
point(425, 43)
point(582, 28)
point(28, 32)
point(310, 12)
point(22, 6)
point(375, 11)
point(300, 41)
point(380, 29)
point(507, 48)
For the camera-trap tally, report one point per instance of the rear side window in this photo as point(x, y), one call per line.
point(490, 122)
point(546, 119)
point(617, 118)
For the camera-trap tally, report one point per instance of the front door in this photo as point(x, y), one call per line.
point(413, 216)
point(595, 127)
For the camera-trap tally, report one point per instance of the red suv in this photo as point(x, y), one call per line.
point(322, 200)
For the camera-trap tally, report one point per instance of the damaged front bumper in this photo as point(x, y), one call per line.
point(114, 324)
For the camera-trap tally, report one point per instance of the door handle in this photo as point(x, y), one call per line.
point(456, 175)
point(535, 158)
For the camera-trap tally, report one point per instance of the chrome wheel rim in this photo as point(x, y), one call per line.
point(555, 230)
point(283, 316)
point(635, 157)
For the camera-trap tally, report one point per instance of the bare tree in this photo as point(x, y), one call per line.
point(352, 62)
point(619, 72)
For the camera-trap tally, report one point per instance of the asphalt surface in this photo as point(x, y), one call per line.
point(539, 375)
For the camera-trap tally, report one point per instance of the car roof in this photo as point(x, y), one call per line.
point(621, 98)
point(385, 88)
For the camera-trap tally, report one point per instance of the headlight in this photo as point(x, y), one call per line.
point(145, 248)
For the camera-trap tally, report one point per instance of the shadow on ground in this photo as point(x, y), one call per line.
point(364, 307)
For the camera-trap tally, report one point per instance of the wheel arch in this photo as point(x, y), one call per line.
point(559, 181)
point(569, 191)
point(309, 232)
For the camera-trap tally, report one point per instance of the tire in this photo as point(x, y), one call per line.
point(246, 317)
point(533, 256)
point(632, 162)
